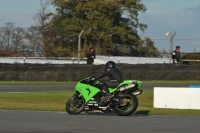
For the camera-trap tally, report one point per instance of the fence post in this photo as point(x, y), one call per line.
point(72, 60)
point(79, 46)
point(24, 59)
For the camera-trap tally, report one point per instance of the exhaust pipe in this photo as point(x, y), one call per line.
point(113, 104)
point(137, 92)
point(122, 88)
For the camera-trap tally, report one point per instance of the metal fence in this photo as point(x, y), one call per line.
point(40, 60)
point(71, 57)
point(99, 60)
point(191, 45)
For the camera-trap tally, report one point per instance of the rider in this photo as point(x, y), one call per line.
point(115, 76)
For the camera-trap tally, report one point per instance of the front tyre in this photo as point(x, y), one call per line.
point(128, 106)
point(75, 104)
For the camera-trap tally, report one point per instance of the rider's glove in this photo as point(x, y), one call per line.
point(92, 79)
point(175, 61)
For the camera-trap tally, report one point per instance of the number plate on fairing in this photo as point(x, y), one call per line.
point(92, 103)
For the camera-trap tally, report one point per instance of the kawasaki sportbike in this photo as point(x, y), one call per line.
point(87, 98)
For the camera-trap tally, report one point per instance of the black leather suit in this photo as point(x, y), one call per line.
point(176, 56)
point(115, 76)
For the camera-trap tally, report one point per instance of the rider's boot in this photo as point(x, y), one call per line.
point(106, 96)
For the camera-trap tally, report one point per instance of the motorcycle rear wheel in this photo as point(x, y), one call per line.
point(75, 105)
point(128, 106)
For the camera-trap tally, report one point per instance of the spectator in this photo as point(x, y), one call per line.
point(176, 55)
point(91, 56)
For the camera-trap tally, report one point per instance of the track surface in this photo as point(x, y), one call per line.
point(57, 122)
point(61, 122)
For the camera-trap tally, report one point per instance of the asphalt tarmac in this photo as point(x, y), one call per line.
point(61, 122)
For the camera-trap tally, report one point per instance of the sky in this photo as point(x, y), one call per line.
point(164, 16)
point(21, 12)
point(161, 16)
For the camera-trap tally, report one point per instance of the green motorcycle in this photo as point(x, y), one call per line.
point(87, 98)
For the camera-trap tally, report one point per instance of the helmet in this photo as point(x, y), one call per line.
point(177, 46)
point(110, 64)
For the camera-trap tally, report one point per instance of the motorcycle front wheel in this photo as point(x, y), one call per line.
point(128, 106)
point(75, 104)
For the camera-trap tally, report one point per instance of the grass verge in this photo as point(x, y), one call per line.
point(34, 83)
point(56, 100)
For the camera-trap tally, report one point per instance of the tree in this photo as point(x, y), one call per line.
point(8, 35)
point(44, 16)
point(33, 36)
point(2, 38)
point(18, 39)
point(148, 49)
point(11, 39)
point(164, 54)
point(109, 25)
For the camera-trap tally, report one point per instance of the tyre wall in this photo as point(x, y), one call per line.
point(36, 72)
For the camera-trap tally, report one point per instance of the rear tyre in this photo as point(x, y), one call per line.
point(128, 106)
point(75, 105)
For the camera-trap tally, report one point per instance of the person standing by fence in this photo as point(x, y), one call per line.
point(176, 55)
point(91, 56)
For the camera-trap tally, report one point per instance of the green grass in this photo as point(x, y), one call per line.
point(47, 100)
point(172, 82)
point(34, 83)
point(63, 83)
point(56, 100)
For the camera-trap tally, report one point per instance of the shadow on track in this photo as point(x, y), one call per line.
point(137, 113)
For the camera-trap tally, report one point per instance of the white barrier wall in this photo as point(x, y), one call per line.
point(176, 98)
point(73, 60)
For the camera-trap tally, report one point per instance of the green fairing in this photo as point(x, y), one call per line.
point(140, 83)
point(86, 91)
point(126, 82)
